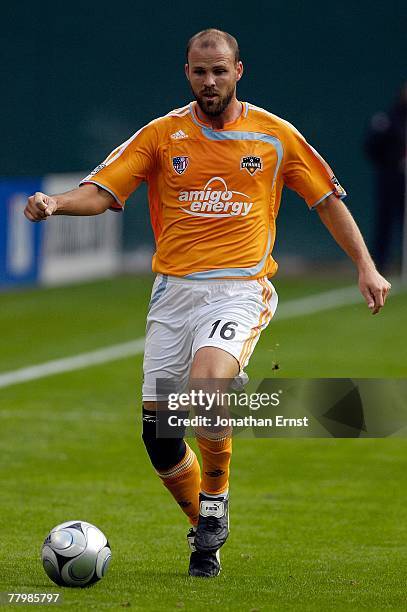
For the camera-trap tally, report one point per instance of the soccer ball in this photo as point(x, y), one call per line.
point(75, 554)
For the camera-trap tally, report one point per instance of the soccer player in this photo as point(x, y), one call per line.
point(215, 170)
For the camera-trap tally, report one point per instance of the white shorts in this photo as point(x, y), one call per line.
point(185, 315)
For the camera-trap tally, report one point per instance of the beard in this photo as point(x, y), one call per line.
point(215, 107)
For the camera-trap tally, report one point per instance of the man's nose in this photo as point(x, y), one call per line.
point(209, 80)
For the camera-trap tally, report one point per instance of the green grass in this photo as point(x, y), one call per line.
point(347, 342)
point(317, 524)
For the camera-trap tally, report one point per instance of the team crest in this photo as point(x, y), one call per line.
point(251, 163)
point(180, 164)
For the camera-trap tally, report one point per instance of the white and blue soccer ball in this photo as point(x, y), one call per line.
point(76, 554)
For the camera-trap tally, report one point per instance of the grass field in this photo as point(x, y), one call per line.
point(316, 524)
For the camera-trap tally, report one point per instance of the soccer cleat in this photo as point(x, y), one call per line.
point(213, 523)
point(202, 564)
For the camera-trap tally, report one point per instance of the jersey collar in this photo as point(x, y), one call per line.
point(197, 121)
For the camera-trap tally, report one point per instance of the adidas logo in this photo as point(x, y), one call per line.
point(178, 135)
point(215, 473)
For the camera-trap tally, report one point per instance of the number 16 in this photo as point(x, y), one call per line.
point(227, 331)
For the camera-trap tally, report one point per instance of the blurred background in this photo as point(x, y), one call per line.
point(80, 78)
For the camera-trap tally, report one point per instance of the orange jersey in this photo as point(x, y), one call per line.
point(214, 195)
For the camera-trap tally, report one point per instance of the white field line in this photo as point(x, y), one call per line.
point(318, 302)
point(336, 298)
point(68, 364)
point(291, 309)
point(48, 415)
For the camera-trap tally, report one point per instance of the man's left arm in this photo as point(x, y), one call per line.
point(341, 225)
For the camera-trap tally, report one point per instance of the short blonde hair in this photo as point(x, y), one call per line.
point(210, 37)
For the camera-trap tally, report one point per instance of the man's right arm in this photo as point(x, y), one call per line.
point(86, 200)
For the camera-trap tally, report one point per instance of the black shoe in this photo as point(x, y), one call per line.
point(213, 523)
point(202, 564)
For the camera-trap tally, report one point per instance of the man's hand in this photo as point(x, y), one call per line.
point(374, 288)
point(40, 207)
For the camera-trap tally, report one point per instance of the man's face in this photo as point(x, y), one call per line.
point(212, 74)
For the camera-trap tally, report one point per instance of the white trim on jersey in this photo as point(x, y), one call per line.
point(266, 112)
point(88, 181)
point(179, 112)
point(122, 147)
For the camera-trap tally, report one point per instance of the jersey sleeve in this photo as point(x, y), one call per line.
point(306, 172)
point(127, 166)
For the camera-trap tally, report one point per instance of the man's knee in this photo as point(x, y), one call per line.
point(213, 363)
point(164, 452)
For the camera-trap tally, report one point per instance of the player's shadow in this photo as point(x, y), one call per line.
point(181, 573)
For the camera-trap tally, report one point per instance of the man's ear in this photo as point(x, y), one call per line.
point(239, 71)
point(187, 71)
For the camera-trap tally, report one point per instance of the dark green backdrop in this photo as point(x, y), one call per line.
point(81, 77)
